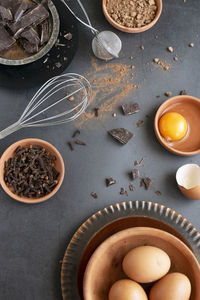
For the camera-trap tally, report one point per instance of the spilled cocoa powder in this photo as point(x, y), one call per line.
point(111, 84)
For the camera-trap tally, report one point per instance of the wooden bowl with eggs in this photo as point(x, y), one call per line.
point(187, 108)
point(110, 262)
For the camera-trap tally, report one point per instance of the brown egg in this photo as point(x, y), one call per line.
point(174, 286)
point(126, 289)
point(146, 264)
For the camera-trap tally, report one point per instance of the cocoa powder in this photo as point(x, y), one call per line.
point(132, 13)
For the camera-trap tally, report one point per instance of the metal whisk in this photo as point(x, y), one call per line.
point(60, 100)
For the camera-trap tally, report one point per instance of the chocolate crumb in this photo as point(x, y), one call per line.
point(68, 36)
point(76, 132)
point(158, 96)
point(168, 94)
point(136, 163)
point(58, 65)
point(96, 111)
point(78, 142)
point(110, 181)
point(123, 191)
point(191, 45)
point(114, 115)
point(170, 49)
point(175, 58)
point(158, 193)
point(146, 182)
point(70, 146)
point(131, 187)
point(142, 47)
point(183, 92)
point(135, 174)
point(140, 123)
point(94, 195)
point(131, 108)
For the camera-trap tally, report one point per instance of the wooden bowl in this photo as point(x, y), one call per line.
point(59, 166)
point(105, 265)
point(188, 147)
point(128, 29)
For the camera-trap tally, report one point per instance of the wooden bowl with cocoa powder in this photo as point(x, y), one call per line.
point(57, 165)
point(127, 18)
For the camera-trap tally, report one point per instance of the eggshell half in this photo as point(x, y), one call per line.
point(188, 180)
point(174, 286)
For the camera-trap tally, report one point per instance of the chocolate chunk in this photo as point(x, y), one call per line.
point(131, 187)
point(32, 18)
point(5, 14)
point(6, 41)
point(77, 132)
point(44, 27)
point(68, 36)
point(138, 163)
point(94, 195)
point(110, 181)
point(31, 36)
point(183, 92)
point(158, 193)
point(11, 4)
point(146, 182)
point(135, 174)
point(21, 10)
point(96, 111)
point(123, 191)
point(131, 108)
point(78, 142)
point(121, 134)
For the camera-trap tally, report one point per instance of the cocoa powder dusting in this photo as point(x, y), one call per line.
point(111, 83)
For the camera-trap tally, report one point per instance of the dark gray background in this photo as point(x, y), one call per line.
point(33, 239)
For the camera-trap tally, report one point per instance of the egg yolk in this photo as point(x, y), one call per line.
point(173, 126)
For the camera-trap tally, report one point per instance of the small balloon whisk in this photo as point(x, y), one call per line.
point(106, 44)
point(60, 100)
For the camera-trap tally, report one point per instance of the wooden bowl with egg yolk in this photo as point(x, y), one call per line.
point(132, 29)
point(105, 265)
point(189, 108)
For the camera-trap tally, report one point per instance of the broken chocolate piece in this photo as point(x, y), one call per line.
point(131, 187)
point(5, 14)
point(31, 36)
point(96, 111)
point(44, 32)
point(11, 4)
point(135, 174)
point(28, 47)
point(183, 92)
point(158, 193)
point(121, 134)
point(146, 183)
point(140, 123)
point(68, 36)
point(77, 132)
point(131, 108)
point(123, 191)
point(138, 163)
point(6, 41)
point(94, 195)
point(32, 18)
point(78, 142)
point(110, 181)
point(21, 10)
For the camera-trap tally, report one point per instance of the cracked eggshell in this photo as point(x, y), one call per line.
point(188, 180)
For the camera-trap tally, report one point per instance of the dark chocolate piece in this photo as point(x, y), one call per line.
point(140, 123)
point(146, 182)
point(94, 195)
point(44, 32)
point(21, 10)
point(6, 41)
point(183, 92)
point(77, 132)
point(70, 146)
point(96, 111)
point(121, 134)
point(158, 193)
point(5, 14)
point(31, 36)
point(110, 181)
point(123, 191)
point(135, 174)
point(11, 4)
point(32, 18)
point(28, 47)
point(78, 142)
point(138, 163)
point(68, 36)
point(131, 108)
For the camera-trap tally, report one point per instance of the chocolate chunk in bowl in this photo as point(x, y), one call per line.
point(24, 27)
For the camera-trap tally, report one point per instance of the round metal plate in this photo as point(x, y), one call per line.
point(110, 220)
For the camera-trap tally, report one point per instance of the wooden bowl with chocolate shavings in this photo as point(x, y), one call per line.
point(31, 171)
point(132, 16)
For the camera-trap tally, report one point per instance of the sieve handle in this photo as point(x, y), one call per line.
point(10, 129)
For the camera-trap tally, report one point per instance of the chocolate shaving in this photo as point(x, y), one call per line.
point(78, 142)
point(146, 182)
point(136, 163)
point(131, 108)
point(122, 135)
point(70, 146)
point(110, 181)
point(94, 195)
point(77, 132)
point(44, 28)
point(96, 111)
